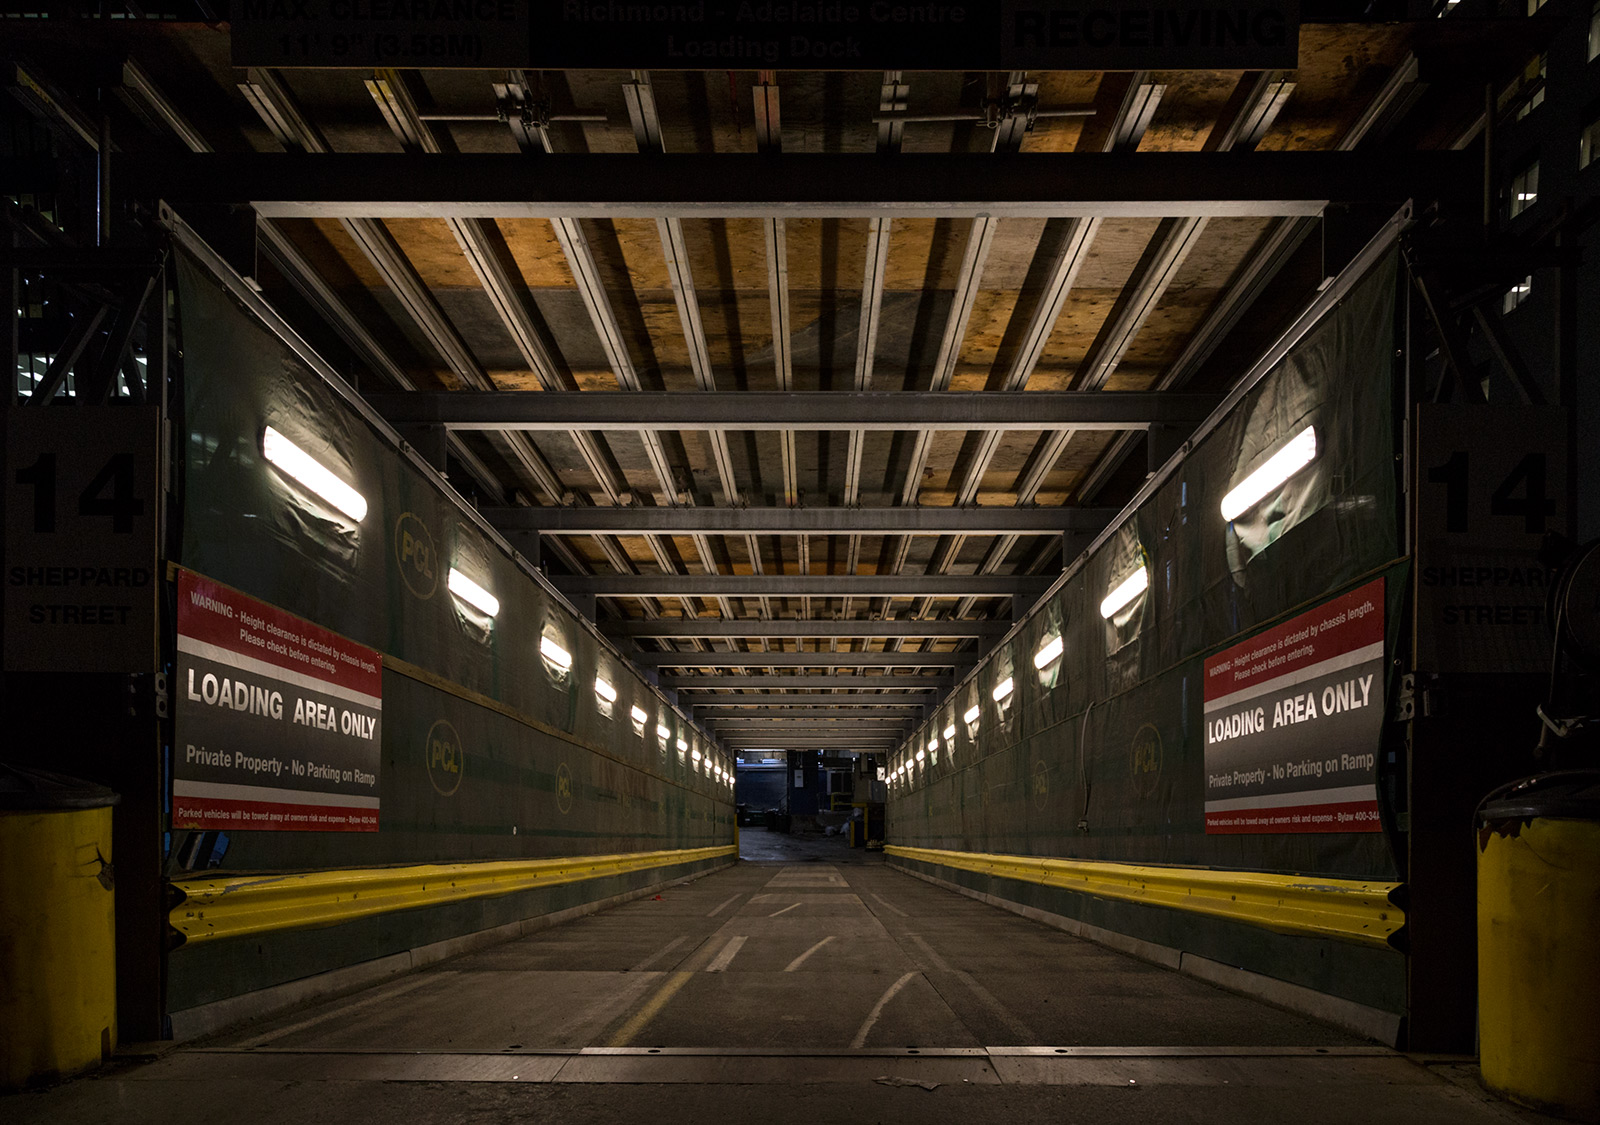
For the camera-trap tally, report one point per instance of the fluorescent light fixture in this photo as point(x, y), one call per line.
point(639, 717)
point(1049, 654)
point(472, 593)
point(971, 716)
point(662, 732)
point(921, 754)
point(1132, 586)
point(933, 744)
point(682, 746)
point(950, 732)
point(1003, 689)
point(555, 654)
point(695, 754)
point(307, 470)
point(1300, 452)
point(604, 690)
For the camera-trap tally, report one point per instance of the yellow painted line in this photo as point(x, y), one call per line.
point(241, 906)
point(644, 1015)
point(1346, 909)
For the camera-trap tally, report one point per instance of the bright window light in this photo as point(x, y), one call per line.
point(301, 466)
point(950, 733)
point(639, 717)
point(557, 655)
point(1132, 586)
point(604, 690)
point(1300, 452)
point(971, 716)
point(472, 593)
point(1047, 655)
point(1003, 689)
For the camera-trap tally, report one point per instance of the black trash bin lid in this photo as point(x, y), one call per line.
point(22, 789)
point(1563, 794)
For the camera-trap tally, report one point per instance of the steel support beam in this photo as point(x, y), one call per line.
point(941, 682)
point(750, 627)
point(1391, 102)
point(741, 724)
point(805, 586)
point(799, 521)
point(803, 659)
point(913, 701)
point(800, 410)
point(805, 716)
point(876, 744)
point(683, 185)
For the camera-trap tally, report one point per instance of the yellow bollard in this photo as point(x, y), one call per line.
point(58, 986)
point(1538, 968)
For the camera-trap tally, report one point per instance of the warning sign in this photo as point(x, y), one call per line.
point(1293, 718)
point(278, 721)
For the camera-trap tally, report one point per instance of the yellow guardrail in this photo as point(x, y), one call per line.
point(245, 905)
point(1347, 909)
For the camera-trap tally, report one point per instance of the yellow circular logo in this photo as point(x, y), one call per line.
point(1145, 759)
point(416, 555)
point(445, 757)
point(563, 788)
point(1039, 784)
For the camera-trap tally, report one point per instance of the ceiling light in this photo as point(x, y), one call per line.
point(921, 755)
point(1002, 689)
point(555, 654)
point(1300, 452)
point(306, 469)
point(662, 732)
point(604, 690)
point(472, 593)
point(639, 717)
point(695, 754)
point(682, 746)
point(1049, 654)
point(950, 733)
point(971, 716)
point(1132, 586)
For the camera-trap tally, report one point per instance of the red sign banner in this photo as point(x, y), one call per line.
point(1293, 720)
point(278, 722)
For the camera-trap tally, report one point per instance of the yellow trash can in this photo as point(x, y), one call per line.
point(58, 974)
point(1538, 953)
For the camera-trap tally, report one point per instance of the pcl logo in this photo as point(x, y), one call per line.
point(563, 788)
point(445, 757)
point(1144, 760)
point(416, 555)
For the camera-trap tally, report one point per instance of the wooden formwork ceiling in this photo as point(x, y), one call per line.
point(905, 302)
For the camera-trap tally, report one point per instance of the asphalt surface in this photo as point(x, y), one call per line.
point(810, 982)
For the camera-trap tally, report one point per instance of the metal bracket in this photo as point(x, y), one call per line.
point(1404, 707)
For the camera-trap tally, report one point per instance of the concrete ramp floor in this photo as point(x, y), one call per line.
point(791, 991)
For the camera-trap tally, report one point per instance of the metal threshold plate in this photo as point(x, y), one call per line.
point(926, 1066)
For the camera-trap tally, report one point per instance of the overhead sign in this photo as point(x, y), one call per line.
point(1293, 719)
point(770, 34)
point(1491, 480)
point(83, 503)
point(278, 722)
